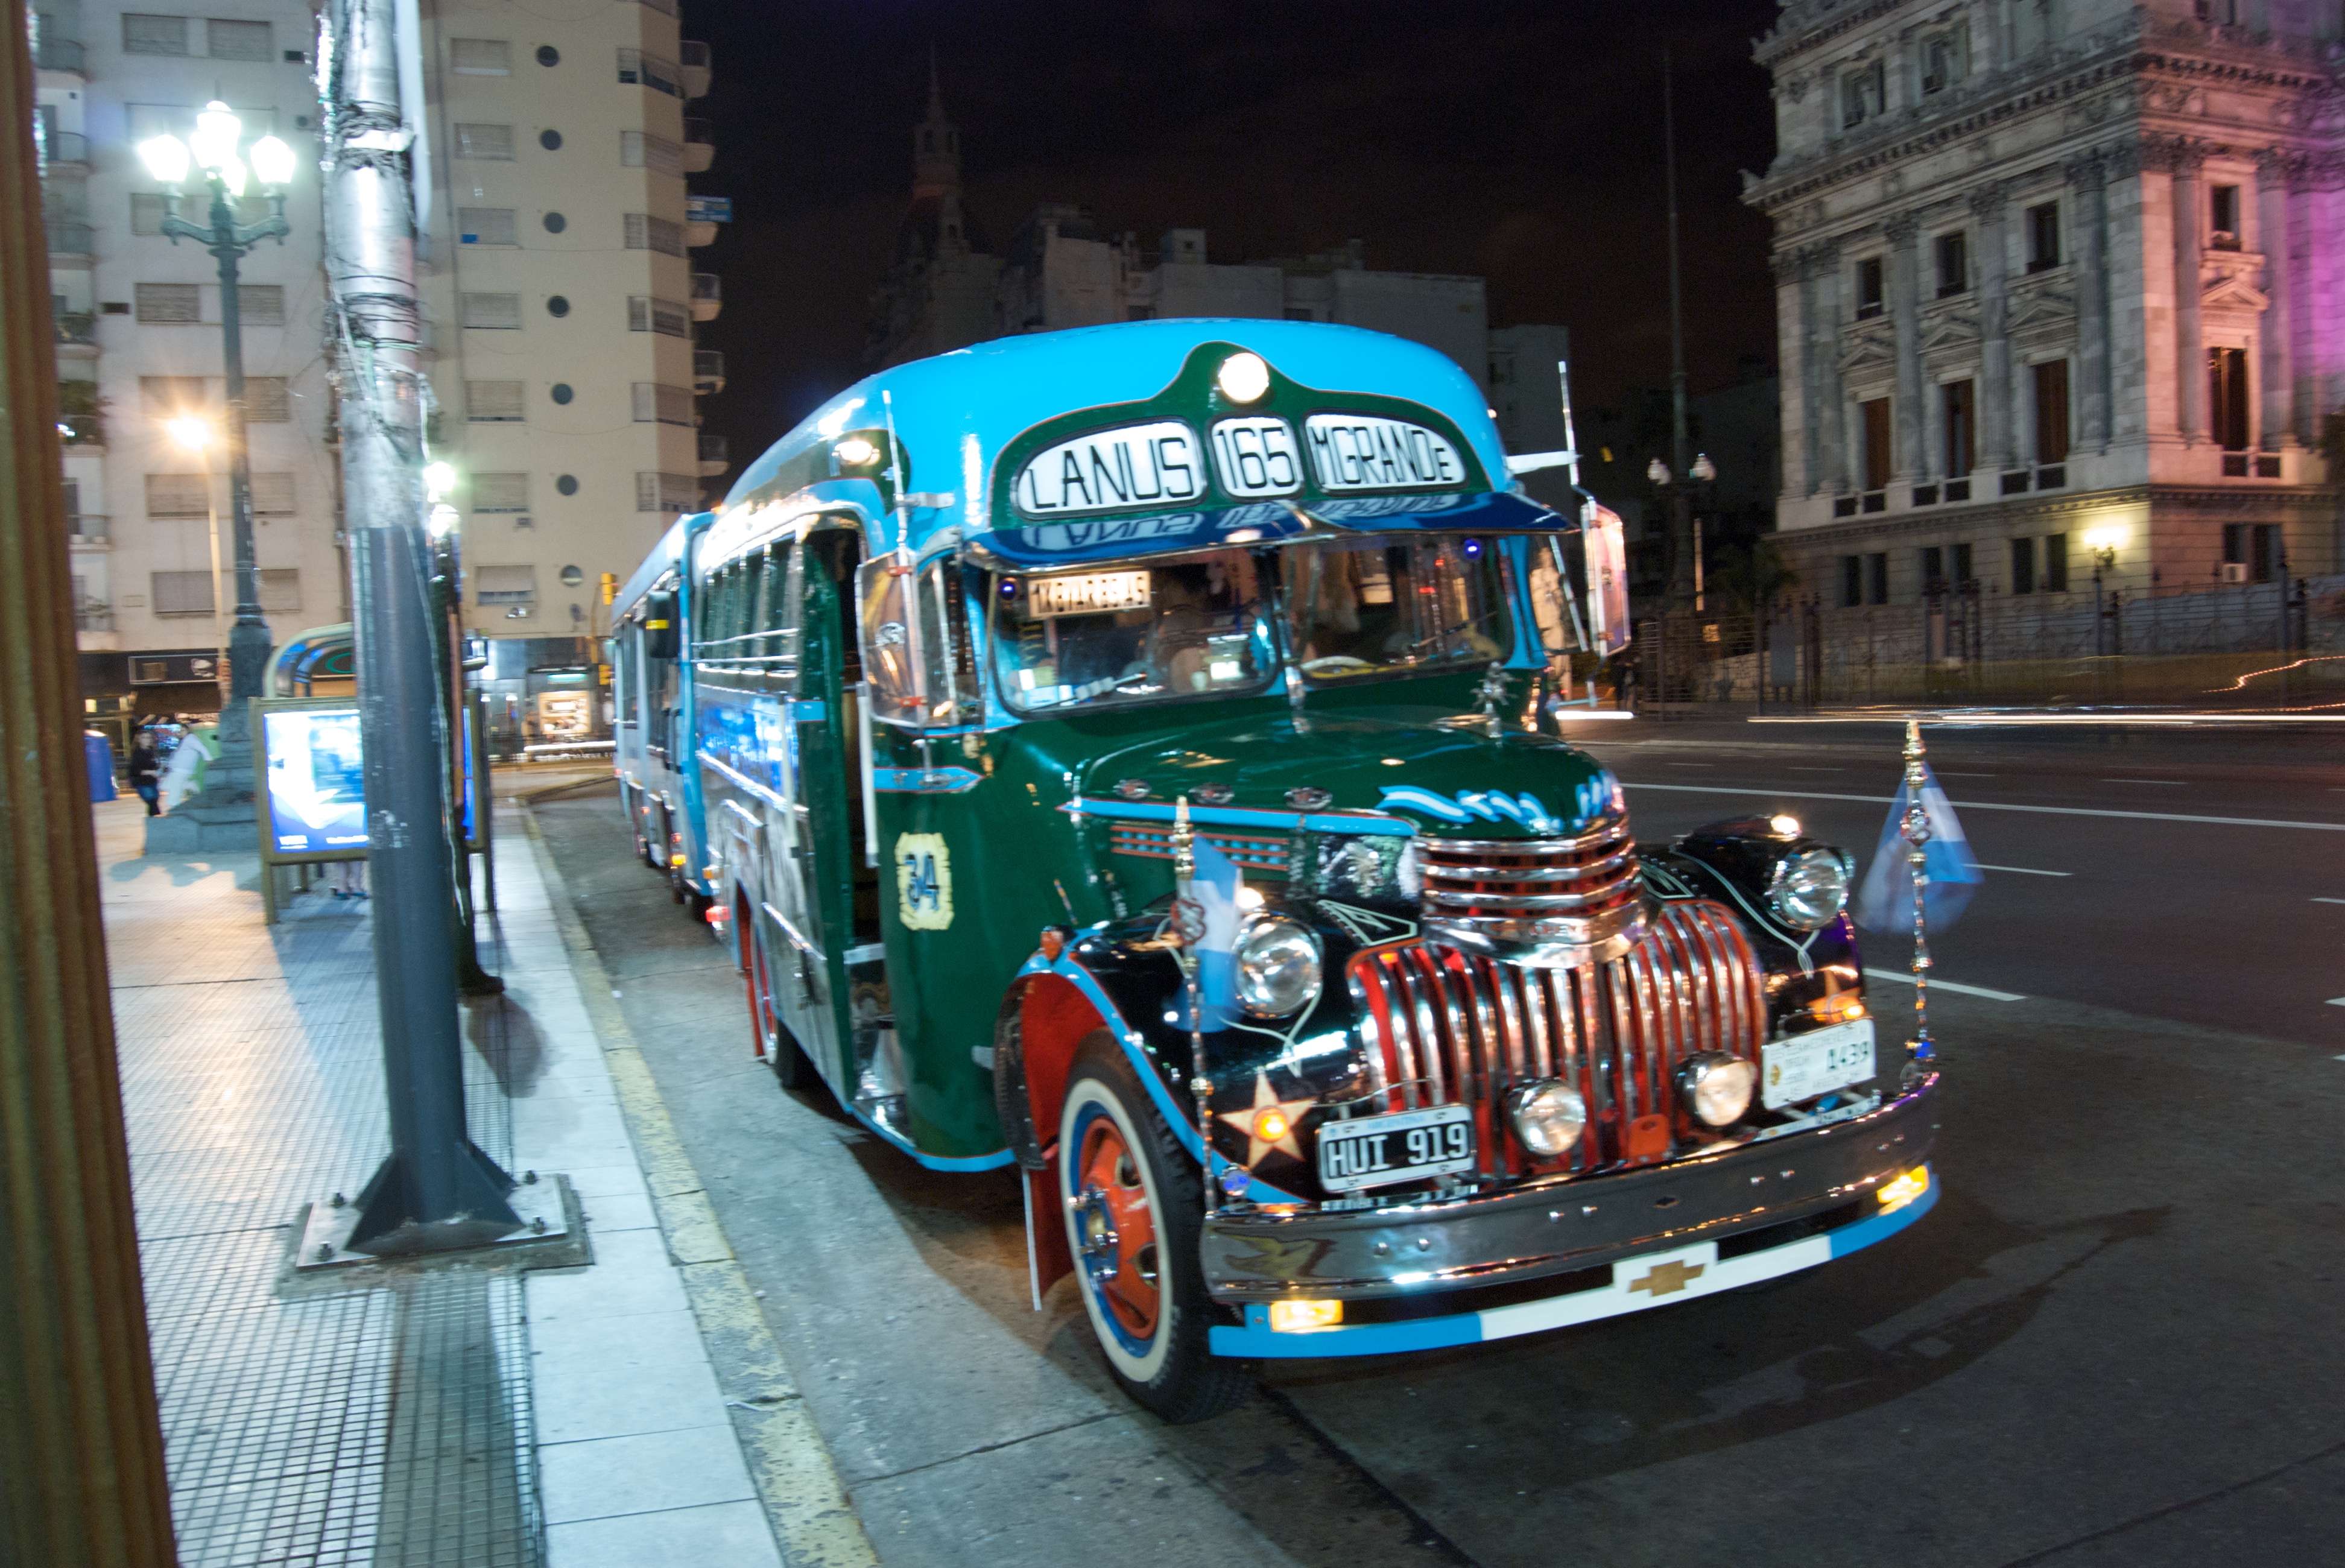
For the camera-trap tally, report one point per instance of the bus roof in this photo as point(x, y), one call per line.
point(956, 416)
point(667, 556)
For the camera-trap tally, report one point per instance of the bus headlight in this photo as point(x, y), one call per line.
point(1549, 1116)
point(1810, 888)
point(1717, 1086)
point(1277, 965)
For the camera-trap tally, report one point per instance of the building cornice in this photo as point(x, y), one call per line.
point(1947, 520)
point(1795, 33)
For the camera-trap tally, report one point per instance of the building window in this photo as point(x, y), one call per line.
point(1962, 573)
point(239, 41)
point(2223, 211)
point(2226, 398)
point(2023, 566)
point(493, 402)
point(1934, 570)
point(2256, 546)
point(1961, 407)
point(641, 149)
point(1852, 580)
point(272, 495)
point(1860, 95)
point(168, 304)
point(168, 396)
point(504, 585)
point(1869, 290)
point(1953, 264)
point(487, 226)
point(2043, 237)
point(485, 144)
point(1877, 572)
point(280, 588)
point(180, 593)
point(1945, 59)
point(667, 317)
point(639, 70)
point(500, 493)
point(188, 495)
point(1877, 454)
point(148, 208)
point(260, 304)
point(267, 400)
point(644, 232)
point(154, 34)
point(662, 405)
point(2051, 411)
point(493, 312)
point(480, 57)
point(666, 493)
point(2056, 564)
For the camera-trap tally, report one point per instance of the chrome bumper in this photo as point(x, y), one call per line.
point(1562, 1224)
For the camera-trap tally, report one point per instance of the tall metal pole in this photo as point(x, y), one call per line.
point(82, 1483)
point(1681, 544)
point(248, 640)
point(436, 1192)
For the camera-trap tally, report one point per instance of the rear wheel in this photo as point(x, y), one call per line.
point(1134, 1203)
point(790, 1064)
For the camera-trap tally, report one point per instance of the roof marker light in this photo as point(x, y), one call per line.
point(856, 452)
point(1242, 378)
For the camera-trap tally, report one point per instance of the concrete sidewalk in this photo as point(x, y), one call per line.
point(573, 1417)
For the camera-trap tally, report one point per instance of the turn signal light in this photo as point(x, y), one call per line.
point(1302, 1317)
point(675, 860)
point(1899, 1191)
point(1270, 1124)
point(1840, 1008)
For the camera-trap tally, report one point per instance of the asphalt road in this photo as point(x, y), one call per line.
point(2115, 1341)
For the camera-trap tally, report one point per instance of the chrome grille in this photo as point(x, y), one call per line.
point(1446, 1027)
point(1551, 903)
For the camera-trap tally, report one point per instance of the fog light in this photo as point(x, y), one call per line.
point(1717, 1086)
point(1549, 1116)
point(1302, 1317)
point(1899, 1191)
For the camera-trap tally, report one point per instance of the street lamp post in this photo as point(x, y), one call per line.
point(196, 435)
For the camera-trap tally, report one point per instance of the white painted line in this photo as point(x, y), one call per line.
point(2329, 901)
point(1943, 773)
point(1692, 764)
point(2002, 805)
point(2338, 1002)
point(2031, 870)
point(1992, 996)
point(2176, 782)
point(1801, 770)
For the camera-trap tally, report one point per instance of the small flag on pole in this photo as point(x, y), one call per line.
point(1884, 899)
point(1212, 889)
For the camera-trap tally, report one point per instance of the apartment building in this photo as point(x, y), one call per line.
point(2057, 293)
point(138, 342)
point(555, 237)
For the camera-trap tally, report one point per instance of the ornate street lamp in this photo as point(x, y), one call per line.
point(213, 150)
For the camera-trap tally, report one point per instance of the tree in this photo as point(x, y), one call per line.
point(1751, 575)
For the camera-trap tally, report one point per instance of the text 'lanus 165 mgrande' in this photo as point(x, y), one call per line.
point(1126, 752)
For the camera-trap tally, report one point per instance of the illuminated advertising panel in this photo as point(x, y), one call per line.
point(316, 802)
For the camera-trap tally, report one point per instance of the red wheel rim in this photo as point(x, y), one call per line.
point(761, 992)
point(1109, 1166)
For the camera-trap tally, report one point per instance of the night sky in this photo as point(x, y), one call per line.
point(1516, 141)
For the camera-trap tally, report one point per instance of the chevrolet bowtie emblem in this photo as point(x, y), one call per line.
point(1666, 1279)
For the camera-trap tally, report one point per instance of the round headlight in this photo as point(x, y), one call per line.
point(1549, 1116)
point(1717, 1086)
point(1278, 966)
point(1243, 377)
point(1809, 888)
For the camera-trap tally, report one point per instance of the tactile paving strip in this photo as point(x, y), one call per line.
point(388, 1426)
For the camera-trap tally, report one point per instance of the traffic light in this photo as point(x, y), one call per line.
point(610, 586)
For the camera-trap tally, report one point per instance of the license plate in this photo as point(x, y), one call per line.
point(1088, 593)
point(1378, 1150)
point(1817, 1062)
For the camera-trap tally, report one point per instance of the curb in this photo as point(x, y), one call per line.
point(813, 1518)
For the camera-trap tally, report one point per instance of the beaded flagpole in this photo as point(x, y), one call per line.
point(1189, 926)
point(1915, 830)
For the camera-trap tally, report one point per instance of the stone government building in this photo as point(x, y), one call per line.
point(2057, 277)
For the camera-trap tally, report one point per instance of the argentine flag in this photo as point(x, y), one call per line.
point(1213, 890)
point(1884, 900)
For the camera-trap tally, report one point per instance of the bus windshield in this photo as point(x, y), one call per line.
point(1195, 627)
point(1382, 605)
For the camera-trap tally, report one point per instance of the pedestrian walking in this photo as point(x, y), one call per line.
point(147, 771)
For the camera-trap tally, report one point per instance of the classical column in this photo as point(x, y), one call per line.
point(1906, 311)
point(1990, 206)
point(1792, 329)
point(2274, 173)
point(2305, 262)
point(2088, 185)
point(1824, 271)
point(2189, 340)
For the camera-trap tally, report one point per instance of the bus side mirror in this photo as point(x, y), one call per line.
point(662, 638)
point(906, 629)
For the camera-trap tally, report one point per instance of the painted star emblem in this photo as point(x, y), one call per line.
point(1249, 1121)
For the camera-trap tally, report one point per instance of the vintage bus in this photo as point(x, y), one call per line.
point(1127, 753)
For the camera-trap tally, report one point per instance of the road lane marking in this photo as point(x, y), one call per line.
point(1945, 775)
point(2338, 1002)
point(1801, 770)
point(2002, 805)
point(1691, 765)
point(2329, 901)
point(2176, 782)
point(1990, 994)
point(2031, 870)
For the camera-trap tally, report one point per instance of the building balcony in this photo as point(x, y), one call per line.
point(699, 145)
point(713, 461)
point(84, 432)
point(708, 296)
point(708, 371)
point(68, 153)
point(71, 244)
point(94, 616)
point(693, 56)
point(698, 233)
point(60, 53)
point(88, 530)
point(76, 329)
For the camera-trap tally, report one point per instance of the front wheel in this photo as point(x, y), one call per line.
point(1133, 1202)
point(790, 1064)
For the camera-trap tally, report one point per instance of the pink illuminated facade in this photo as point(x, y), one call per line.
point(2058, 284)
